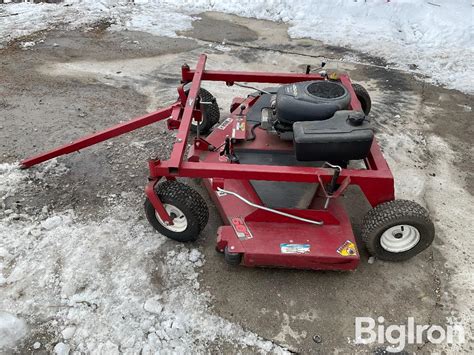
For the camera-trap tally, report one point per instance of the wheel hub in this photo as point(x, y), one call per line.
point(180, 222)
point(400, 238)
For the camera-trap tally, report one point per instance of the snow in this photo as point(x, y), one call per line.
point(153, 305)
point(68, 332)
point(413, 35)
point(437, 40)
point(104, 284)
point(62, 349)
point(52, 222)
point(12, 329)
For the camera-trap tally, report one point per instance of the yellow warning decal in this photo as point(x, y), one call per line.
point(334, 75)
point(347, 249)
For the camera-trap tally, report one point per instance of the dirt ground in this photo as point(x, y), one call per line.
point(74, 83)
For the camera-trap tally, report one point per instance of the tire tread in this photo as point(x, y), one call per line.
point(363, 96)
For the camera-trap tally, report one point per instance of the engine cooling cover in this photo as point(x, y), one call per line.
point(310, 101)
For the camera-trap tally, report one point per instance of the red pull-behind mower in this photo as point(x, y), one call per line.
point(275, 168)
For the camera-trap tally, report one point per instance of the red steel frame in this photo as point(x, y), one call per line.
point(376, 181)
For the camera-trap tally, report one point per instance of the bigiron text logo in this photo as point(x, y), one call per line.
point(369, 331)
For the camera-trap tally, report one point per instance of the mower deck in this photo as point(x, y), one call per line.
point(282, 242)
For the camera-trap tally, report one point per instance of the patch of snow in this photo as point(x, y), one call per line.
point(410, 34)
point(194, 256)
point(68, 332)
point(159, 19)
point(26, 45)
point(466, 108)
point(10, 176)
point(52, 223)
point(153, 305)
point(12, 329)
point(62, 349)
point(37, 345)
point(103, 285)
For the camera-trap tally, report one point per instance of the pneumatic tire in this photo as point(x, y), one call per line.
point(210, 114)
point(364, 98)
point(397, 230)
point(186, 207)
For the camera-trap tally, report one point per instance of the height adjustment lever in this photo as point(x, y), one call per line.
point(332, 186)
point(228, 151)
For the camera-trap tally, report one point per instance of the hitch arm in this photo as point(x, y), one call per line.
point(101, 136)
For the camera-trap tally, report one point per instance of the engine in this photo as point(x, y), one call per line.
point(315, 116)
point(304, 101)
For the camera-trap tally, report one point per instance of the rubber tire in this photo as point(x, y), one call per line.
point(233, 259)
point(189, 201)
point(364, 98)
point(392, 213)
point(211, 114)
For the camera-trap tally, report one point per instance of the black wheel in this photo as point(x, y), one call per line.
point(210, 114)
point(230, 258)
point(364, 98)
point(186, 207)
point(397, 230)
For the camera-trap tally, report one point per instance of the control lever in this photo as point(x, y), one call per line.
point(333, 184)
point(332, 187)
point(228, 151)
point(242, 108)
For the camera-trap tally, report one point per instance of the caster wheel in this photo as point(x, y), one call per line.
point(210, 114)
point(397, 230)
point(233, 259)
point(186, 207)
point(364, 98)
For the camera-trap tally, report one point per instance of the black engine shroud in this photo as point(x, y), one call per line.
point(310, 101)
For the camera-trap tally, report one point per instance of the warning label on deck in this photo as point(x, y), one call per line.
point(225, 123)
point(295, 248)
point(240, 125)
point(347, 249)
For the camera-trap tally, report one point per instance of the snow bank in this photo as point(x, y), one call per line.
point(437, 40)
point(17, 20)
point(433, 40)
point(97, 286)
